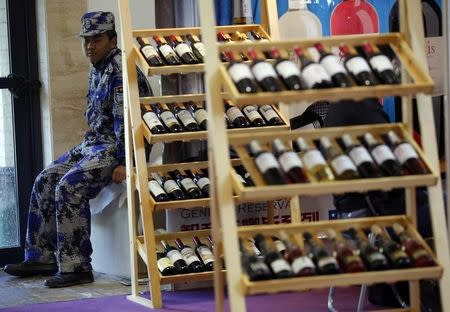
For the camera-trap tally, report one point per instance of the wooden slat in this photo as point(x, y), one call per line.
point(191, 277)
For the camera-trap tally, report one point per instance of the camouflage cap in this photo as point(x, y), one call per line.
point(95, 23)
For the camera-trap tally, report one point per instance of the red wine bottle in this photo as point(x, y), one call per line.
point(300, 262)
point(175, 257)
point(358, 67)
point(406, 154)
point(184, 116)
point(264, 73)
point(267, 164)
point(241, 75)
point(197, 47)
point(152, 120)
point(252, 114)
point(312, 73)
point(279, 266)
point(235, 115)
point(167, 117)
point(354, 17)
point(224, 37)
point(395, 253)
point(204, 253)
point(333, 67)
point(343, 167)
point(150, 54)
point(164, 264)
point(325, 262)
point(192, 260)
point(166, 51)
point(182, 49)
point(199, 113)
point(201, 180)
point(287, 70)
point(157, 191)
point(254, 266)
point(347, 254)
point(186, 184)
point(380, 64)
point(383, 156)
point(270, 115)
point(290, 163)
point(258, 36)
point(170, 186)
point(361, 157)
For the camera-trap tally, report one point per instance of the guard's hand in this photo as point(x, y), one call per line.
point(119, 174)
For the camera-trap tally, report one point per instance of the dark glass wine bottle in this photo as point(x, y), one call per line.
point(383, 156)
point(395, 253)
point(270, 115)
point(224, 37)
point(152, 120)
point(333, 67)
point(197, 47)
point(192, 260)
point(361, 157)
point(157, 191)
point(241, 75)
point(267, 164)
point(343, 167)
point(252, 114)
point(301, 263)
point(347, 254)
point(358, 67)
point(164, 264)
point(199, 113)
point(149, 52)
point(186, 184)
point(254, 266)
point(325, 262)
point(184, 116)
point(279, 245)
point(406, 154)
point(278, 265)
point(245, 175)
point(182, 49)
point(167, 117)
point(204, 253)
point(287, 70)
point(264, 73)
point(201, 180)
point(258, 36)
point(235, 115)
point(315, 164)
point(380, 64)
point(290, 163)
point(175, 257)
point(166, 51)
point(170, 186)
point(312, 73)
point(240, 36)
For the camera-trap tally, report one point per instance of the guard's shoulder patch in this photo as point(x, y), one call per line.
point(118, 94)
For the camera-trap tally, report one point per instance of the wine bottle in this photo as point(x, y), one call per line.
point(169, 185)
point(186, 184)
point(242, 12)
point(314, 162)
point(166, 51)
point(252, 114)
point(383, 156)
point(415, 250)
point(287, 70)
point(164, 264)
point(290, 163)
point(214, 250)
point(150, 54)
point(358, 67)
point(182, 49)
point(325, 262)
point(204, 253)
point(197, 47)
point(264, 73)
point(278, 265)
point(192, 260)
point(380, 64)
point(267, 164)
point(240, 36)
point(241, 75)
point(270, 115)
point(342, 165)
point(224, 37)
point(333, 67)
point(312, 73)
point(347, 254)
point(152, 120)
point(406, 154)
point(175, 257)
point(395, 253)
point(167, 117)
point(245, 175)
point(254, 266)
point(201, 180)
point(280, 246)
point(361, 157)
point(300, 262)
point(199, 113)
point(157, 191)
point(354, 17)
point(235, 115)
point(184, 116)
point(258, 36)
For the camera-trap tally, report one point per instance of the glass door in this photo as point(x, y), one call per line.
point(20, 140)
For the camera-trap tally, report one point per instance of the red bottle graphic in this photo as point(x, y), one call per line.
point(354, 17)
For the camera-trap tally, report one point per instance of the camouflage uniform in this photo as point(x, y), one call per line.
point(59, 216)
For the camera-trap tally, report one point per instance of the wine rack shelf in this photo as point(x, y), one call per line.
point(421, 81)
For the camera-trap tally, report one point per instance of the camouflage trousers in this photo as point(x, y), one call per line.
point(59, 219)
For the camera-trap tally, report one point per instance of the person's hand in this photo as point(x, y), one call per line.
point(119, 174)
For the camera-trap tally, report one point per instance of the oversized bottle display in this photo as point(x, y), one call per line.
point(267, 164)
point(290, 163)
point(264, 73)
point(383, 156)
point(150, 54)
point(189, 255)
point(380, 64)
point(343, 167)
point(354, 17)
point(278, 265)
point(241, 75)
point(152, 120)
point(298, 22)
point(315, 164)
point(361, 157)
point(333, 67)
point(287, 70)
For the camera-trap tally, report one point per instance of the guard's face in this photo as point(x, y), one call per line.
point(96, 48)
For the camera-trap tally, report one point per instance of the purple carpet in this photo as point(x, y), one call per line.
point(346, 299)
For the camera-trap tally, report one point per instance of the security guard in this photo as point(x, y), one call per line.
point(58, 233)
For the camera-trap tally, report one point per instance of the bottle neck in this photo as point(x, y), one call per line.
point(296, 5)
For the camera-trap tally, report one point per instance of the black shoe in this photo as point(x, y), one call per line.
point(69, 279)
point(28, 268)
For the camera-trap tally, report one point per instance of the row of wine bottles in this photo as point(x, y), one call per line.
point(176, 50)
point(191, 116)
point(371, 158)
point(369, 68)
point(329, 252)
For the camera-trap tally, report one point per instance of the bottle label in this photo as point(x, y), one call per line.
point(155, 188)
point(360, 155)
point(188, 183)
point(313, 158)
point(376, 256)
point(405, 151)
point(342, 163)
point(251, 112)
point(418, 253)
point(289, 160)
point(233, 113)
point(200, 115)
point(258, 266)
point(151, 120)
point(302, 263)
point(357, 65)
point(263, 70)
point(206, 254)
point(381, 153)
point(398, 254)
point(182, 48)
point(326, 261)
point(280, 265)
point(351, 259)
point(164, 263)
point(255, 249)
point(186, 117)
point(202, 182)
point(287, 69)
point(174, 255)
point(266, 161)
point(200, 47)
point(314, 73)
point(268, 112)
point(280, 246)
point(166, 49)
point(149, 51)
point(240, 178)
point(332, 65)
point(239, 71)
point(168, 118)
point(381, 63)
point(170, 186)
point(189, 255)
